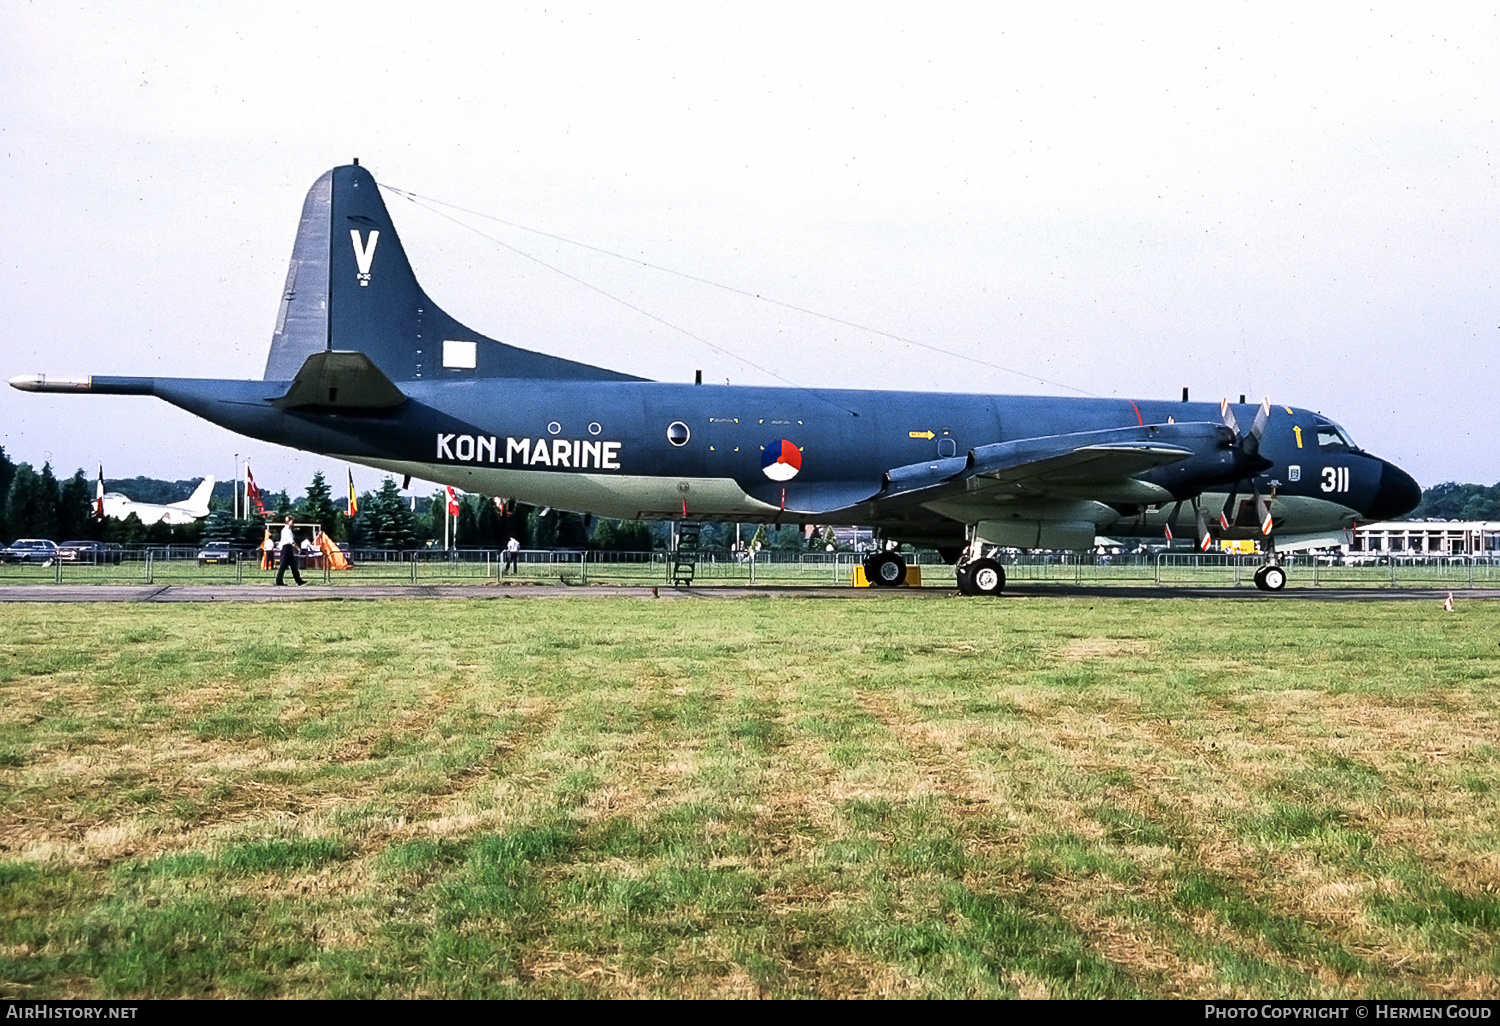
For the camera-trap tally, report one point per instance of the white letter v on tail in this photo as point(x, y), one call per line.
point(364, 254)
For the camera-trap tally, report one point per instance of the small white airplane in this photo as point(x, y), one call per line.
point(117, 506)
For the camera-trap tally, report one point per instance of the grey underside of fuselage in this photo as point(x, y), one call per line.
point(623, 496)
point(619, 496)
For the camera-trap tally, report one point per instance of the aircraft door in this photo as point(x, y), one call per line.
point(728, 443)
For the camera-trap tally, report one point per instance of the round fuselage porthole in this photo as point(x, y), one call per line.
point(678, 433)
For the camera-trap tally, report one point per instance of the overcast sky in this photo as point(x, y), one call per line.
point(1297, 201)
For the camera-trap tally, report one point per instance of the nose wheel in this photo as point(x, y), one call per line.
point(1270, 578)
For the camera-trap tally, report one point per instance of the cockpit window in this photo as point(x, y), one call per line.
point(1332, 438)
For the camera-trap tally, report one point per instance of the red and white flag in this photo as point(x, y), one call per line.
point(99, 495)
point(452, 502)
point(253, 493)
point(1448, 605)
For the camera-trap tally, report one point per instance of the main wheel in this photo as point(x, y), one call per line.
point(986, 577)
point(885, 570)
point(965, 580)
point(1272, 578)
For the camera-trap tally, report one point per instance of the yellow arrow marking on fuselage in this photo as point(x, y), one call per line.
point(921, 434)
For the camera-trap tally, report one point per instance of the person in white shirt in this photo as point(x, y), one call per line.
point(288, 555)
point(511, 548)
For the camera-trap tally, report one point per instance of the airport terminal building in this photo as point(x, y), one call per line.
point(1427, 538)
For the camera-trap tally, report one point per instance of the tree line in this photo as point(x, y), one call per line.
point(1454, 501)
point(35, 504)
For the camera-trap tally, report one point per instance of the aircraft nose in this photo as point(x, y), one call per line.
point(1396, 495)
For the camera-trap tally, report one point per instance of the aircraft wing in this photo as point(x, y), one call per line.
point(1102, 466)
point(1099, 465)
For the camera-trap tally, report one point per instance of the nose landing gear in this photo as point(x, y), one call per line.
point(1270, 577)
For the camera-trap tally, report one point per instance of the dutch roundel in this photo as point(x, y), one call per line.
point(781, 460)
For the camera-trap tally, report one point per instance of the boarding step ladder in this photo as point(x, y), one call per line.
point(685, 556)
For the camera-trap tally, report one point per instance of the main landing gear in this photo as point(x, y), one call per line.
point(980, 577)
point(885, 569)
point(977, 574)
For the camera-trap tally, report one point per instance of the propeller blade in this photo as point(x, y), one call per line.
point(1226, 515)
point(1263, 511)
point(1205, 539)
point(1258, 428)
point(1227, 413)
point(1172, 519)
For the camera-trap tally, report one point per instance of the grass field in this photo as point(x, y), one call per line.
point(1042, 797)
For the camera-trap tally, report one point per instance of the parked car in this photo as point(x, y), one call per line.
point(30, 550)
point(94, 553)
point(217, 552)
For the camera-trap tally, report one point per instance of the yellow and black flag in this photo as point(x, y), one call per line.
point(353, 502)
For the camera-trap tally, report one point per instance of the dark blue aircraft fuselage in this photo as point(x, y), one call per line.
point(530, 436)
point(365, 367)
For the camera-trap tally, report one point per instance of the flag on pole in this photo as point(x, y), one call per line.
point(253, 492)
point(452, 502)
point(99, 495)
point(353, 502)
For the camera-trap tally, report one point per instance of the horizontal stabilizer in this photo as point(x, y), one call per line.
point(341, 380)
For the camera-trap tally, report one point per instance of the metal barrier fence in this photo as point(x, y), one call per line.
point(578, 566)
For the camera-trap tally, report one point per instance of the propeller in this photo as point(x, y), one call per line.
point(1200, 520)
point(1248, 445)
point(1247, 462)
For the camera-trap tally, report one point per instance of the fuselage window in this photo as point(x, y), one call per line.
point(678, 433)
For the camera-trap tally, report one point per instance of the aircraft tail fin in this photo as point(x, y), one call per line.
point(197, 503)
point(350, 287)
